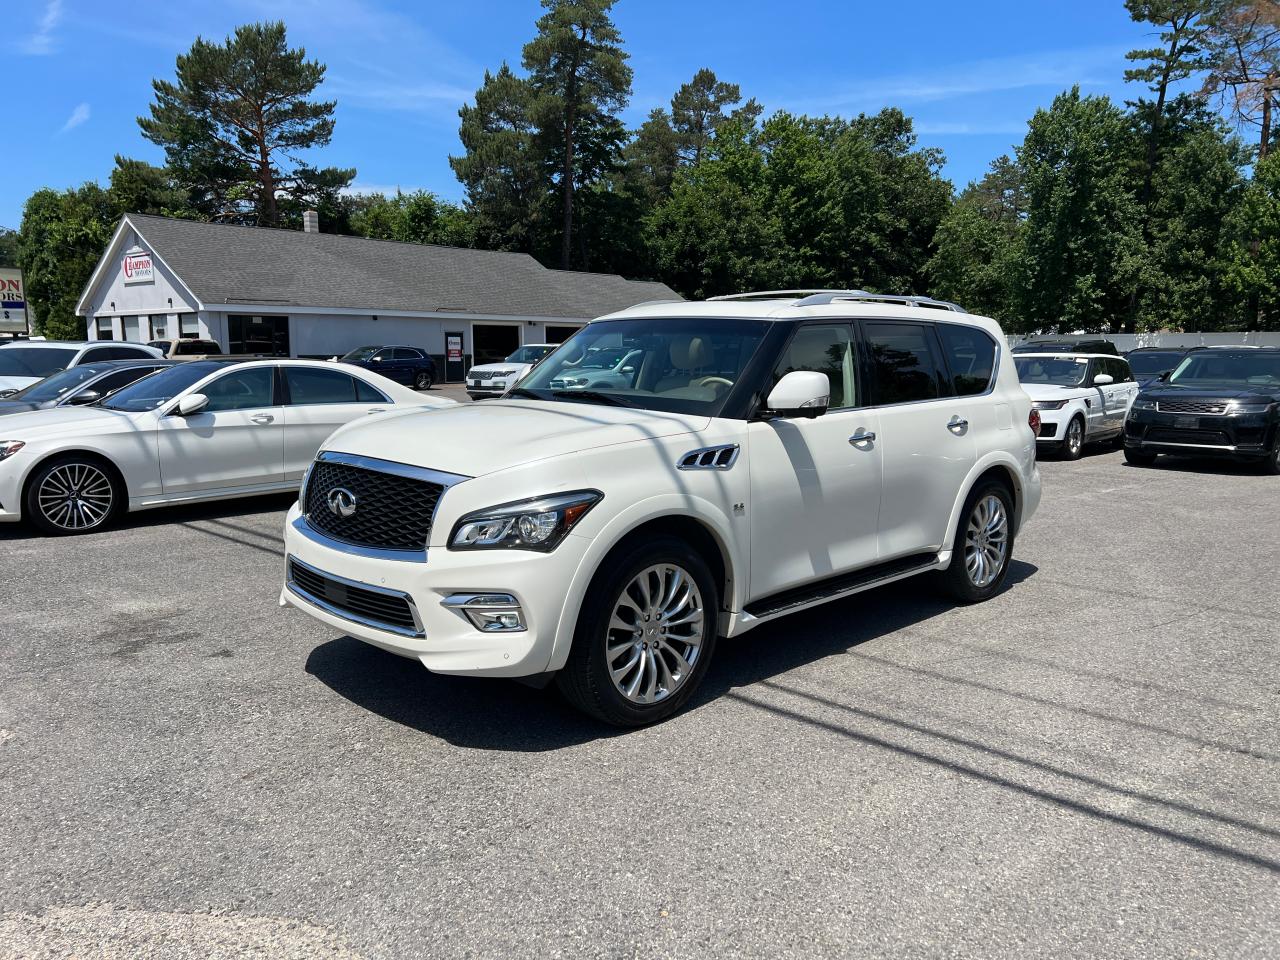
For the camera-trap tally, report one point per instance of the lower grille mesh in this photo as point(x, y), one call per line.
point(380, 609)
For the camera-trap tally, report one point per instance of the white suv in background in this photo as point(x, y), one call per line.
point(1081, 397)
point(767, 453)
point(494, 379)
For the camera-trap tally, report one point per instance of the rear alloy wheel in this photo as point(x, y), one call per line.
point(982, 546)
point(1073, 440)
point(422, 381)
point(72, 495)
point(1139, 458)
point(645, 635)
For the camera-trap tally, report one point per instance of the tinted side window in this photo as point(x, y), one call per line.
point(367, 394)
point(403, 353)
point(971, 355)
point(114, 381)
point(319, 386)
point(823, 349)
point(242, 390)
point(904, 368)
point(1121, 371)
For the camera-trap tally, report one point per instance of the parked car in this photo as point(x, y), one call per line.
point(765, 456)
point(197, 430)
point(407, 365)
point(80, 385)
point(494, 379)
point(1082, 397)
point(598, 367)
point(1151, 363)
point(23, 362)
point(1066, 345)
point(1217, 403)
point(189, 347)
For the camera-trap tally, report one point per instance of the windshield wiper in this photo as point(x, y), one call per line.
point(593, 395)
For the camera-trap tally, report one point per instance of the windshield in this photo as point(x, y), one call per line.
point(1243, 369)
point(58, 385)
point(677, 365)
point(362, 353)
point(1062, 371)
point(149, 392)
point(1153, 364)
point(34, 361)
point(529, 354)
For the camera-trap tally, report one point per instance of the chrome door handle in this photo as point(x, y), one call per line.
point(958, 425)
point(263, 418)
point(858, 438)
point(377, 409)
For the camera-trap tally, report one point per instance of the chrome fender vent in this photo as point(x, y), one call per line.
point(710, 458)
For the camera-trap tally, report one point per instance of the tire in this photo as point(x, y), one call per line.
point(1139, 458)
point(646, 654)
point(969, 580)
point(1072, 446)
point(1271, 465)
point(71, 495)
point(423, 380)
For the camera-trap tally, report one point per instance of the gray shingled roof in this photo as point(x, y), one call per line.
point(221, 263)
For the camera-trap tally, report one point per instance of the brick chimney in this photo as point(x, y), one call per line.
point(310, 222)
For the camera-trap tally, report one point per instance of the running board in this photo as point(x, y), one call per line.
point(833, 588)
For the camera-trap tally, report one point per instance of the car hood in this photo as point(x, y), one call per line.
point(1166, 391)
point(474, 439)
point(1051, 391)
point(16, 383)
point(58, 421)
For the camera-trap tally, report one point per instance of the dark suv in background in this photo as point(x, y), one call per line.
point(1218, 402)
point(408, 365)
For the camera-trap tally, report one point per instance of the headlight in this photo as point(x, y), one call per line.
point(1143, 404)
point(1051, 404)
point(9, 447)
point(1235, 406)
point(536, 524)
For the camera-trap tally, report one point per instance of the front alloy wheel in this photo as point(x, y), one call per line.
point(72, 496)
point(1073, 443)
point(655, 634)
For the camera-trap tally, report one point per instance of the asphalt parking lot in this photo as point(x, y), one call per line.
point(1086, 766)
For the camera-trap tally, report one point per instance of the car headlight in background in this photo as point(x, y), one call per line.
point(1051, 404)
point(536, 524)
point(1143, 404)
point(9, 447)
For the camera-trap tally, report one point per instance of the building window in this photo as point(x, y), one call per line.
point(189, 326)
point(104, 329)
point(134, 330)
point(266, 335)
point(159, 325)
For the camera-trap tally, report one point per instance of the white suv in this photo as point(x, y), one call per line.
point(767, 453)
point(1081, 397)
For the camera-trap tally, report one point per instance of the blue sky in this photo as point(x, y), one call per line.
point(78, 73)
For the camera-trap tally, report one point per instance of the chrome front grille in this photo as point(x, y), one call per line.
point(1191, 406)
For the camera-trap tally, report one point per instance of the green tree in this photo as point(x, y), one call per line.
point(1082, 247)
point(651, 159)
point(1252, 258)
point(1243, 59)
point(417, 217)
point(697, 108)
point(8, 247)
point(235, 123)
point(139, 187)
point(579, 74)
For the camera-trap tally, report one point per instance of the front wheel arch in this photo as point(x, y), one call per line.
point(91, 456)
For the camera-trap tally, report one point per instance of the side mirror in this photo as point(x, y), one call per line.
point(801, 393)
point(1103, 379)
point(377, 359)
point(192, 404)
point(84, 397)
point(1164, 377)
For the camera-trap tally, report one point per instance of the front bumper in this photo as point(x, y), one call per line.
point(1053, 424)
point(440, 636)
point(1238, 435)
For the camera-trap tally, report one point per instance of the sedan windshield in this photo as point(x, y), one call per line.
point(529, 354)
point(149, 392)
point(58, 385)
point(1062, 371)
point(1247, 368)
point(1153, 364)
point(677, 365)
point(362, 353)
point(34, 361)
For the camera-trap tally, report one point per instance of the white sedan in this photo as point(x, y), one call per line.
point(203, 430)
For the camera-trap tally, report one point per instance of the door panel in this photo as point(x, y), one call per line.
point(320, 401)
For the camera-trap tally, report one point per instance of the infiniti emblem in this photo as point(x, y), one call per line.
point(342, 502)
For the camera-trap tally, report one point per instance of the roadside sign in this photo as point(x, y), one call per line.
point(13, 301)
point(136, 266)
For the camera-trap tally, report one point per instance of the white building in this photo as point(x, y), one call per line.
point(311, 294)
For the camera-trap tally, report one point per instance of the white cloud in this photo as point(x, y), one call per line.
point(78, 116)
point(40, 43)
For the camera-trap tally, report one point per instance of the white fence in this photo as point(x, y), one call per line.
point(1128, 341)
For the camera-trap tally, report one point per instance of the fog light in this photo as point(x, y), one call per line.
point(489, 612)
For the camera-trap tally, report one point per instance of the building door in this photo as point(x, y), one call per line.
point(560, 334)
point(261, 335)
point(454, 368)
point(493, 342)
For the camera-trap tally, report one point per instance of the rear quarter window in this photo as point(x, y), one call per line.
point(971, 354)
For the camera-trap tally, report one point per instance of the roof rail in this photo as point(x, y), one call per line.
point(813, 298)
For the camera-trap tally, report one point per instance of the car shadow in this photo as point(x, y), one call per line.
point(491, 715)
point(164, 516)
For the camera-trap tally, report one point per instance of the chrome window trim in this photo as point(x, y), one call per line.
point(445, 480)
point(418, 633)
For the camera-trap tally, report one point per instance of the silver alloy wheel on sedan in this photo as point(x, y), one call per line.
point(76, 496)
point(654, 635)
point(986, 542)
point(1075, 436)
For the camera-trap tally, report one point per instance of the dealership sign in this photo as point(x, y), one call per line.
point(136, 266)
point(13, 302)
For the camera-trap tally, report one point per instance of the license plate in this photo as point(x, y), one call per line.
point(1186, 423)
point(477, 383)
